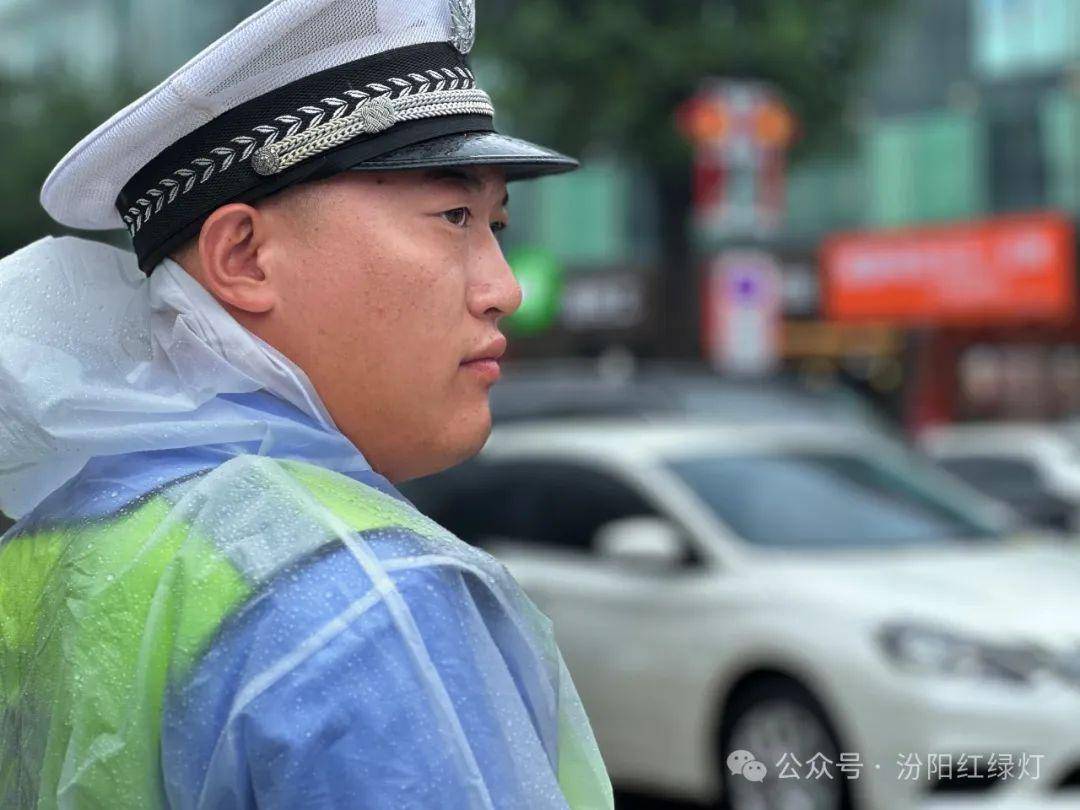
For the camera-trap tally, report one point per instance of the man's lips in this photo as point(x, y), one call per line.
point(485, 362)
point(493, 351)
point(489, 370)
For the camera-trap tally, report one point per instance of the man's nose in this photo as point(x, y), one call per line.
point(495, 292)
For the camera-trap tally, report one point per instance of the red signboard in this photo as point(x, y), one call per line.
point(1019, 268)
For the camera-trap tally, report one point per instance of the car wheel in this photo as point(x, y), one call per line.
point(772, 734)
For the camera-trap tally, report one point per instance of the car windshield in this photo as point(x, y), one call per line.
point(823, 500)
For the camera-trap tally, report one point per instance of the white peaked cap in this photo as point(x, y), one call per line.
point(300, 90)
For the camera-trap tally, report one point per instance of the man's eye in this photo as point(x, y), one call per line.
point(458, 216)
point(498, 227)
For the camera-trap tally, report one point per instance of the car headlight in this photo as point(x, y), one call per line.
point(932, 651)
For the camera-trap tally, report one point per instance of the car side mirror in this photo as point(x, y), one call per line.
point(641, 541)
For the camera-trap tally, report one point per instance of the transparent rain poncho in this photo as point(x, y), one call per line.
point(211, 600)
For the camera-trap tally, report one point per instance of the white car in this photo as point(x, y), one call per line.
point(1035, 468)
point(788, 617)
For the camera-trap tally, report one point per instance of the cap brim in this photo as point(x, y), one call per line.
point(520, 159)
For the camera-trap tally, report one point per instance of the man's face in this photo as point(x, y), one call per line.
point(390, 287)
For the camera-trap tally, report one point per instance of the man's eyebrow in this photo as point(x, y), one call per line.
point(470, 181)
point(462, 178)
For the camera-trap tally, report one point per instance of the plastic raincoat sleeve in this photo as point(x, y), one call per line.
point(312, 697)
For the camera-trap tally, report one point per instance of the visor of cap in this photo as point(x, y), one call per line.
point(520, 159)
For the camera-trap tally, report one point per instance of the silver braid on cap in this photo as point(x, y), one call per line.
point(370, 117)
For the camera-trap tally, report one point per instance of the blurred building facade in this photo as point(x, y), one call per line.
point(972, 109)
point(96, 41)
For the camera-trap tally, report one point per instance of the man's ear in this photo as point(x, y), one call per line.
point(231, 253)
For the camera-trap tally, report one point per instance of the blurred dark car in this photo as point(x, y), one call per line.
point(1034, 468)
point(584, 389)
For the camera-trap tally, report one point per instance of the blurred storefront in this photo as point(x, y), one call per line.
point(949, 224)
point(969, 114)
point(985, 306)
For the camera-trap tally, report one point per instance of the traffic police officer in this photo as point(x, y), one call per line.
point(214, 597)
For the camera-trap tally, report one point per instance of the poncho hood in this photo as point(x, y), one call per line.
point(98, 360)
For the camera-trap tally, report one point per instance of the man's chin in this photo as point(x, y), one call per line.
point(461, 441)
point(479, 434)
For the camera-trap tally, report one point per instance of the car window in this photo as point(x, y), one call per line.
point(996, 476)
point(829, 500)
point(1019, 483)
point(548, 503)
